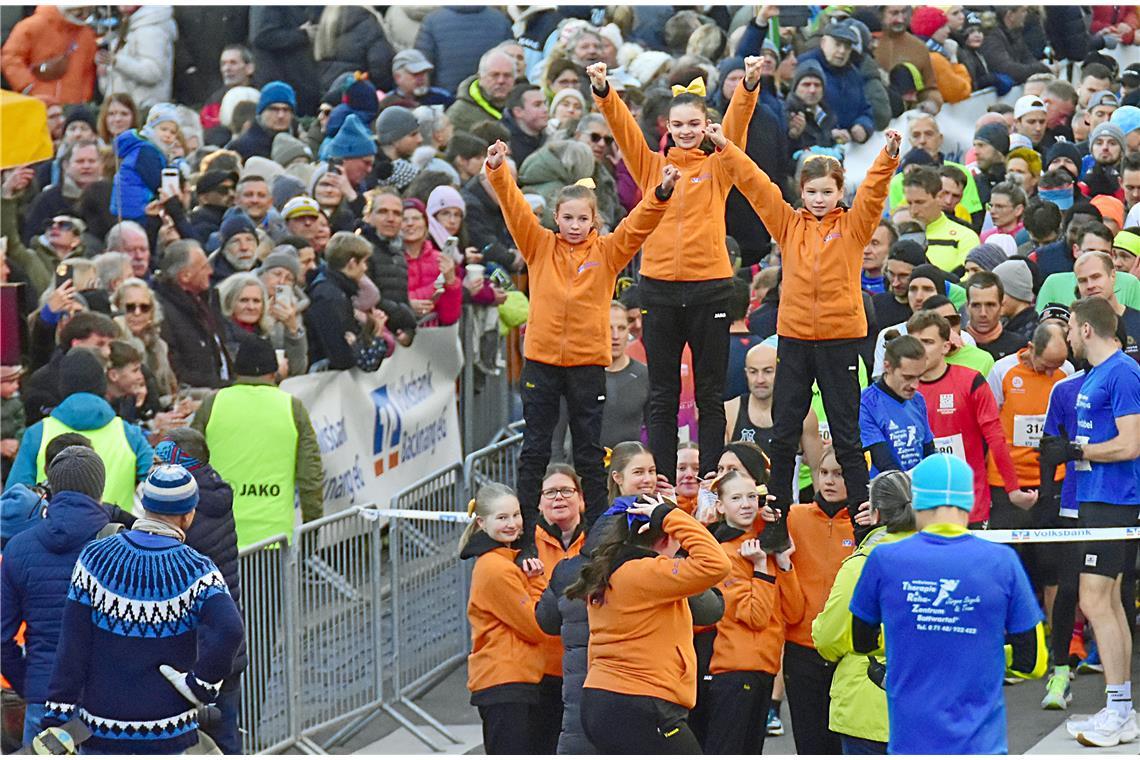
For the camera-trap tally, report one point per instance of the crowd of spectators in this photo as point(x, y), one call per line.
point(312, 178)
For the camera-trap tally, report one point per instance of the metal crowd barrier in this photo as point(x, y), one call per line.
point(484, 398)
point(497, 463)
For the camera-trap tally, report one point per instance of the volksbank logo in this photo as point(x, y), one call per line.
point(389, 424)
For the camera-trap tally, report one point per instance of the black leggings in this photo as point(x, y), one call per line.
point(665, 331)
point(738, 712)
point(807, 681)
point(834, 364)
point(511, 728)
point(543, 387)
point(624, 724)
point(1068, 563)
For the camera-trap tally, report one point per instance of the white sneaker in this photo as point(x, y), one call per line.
point(1077, 724)
point(1111, 728)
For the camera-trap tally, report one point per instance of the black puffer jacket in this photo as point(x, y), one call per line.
point(192, 330)
point(358, 44)
point(282, 50)
point(213, 534)
point(486, 226)
point(387, 267)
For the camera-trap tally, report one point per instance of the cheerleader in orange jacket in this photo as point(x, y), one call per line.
point(506, 661)
point(746, 652)
point(641, 681)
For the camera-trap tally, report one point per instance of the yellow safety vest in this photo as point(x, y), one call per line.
point(111, 444)
point(253, 446)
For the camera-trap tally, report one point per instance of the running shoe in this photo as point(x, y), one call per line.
point(1058, 694)
point(1110, 728)
point(775, 725)
point(1075, 726)
point(1091, 663)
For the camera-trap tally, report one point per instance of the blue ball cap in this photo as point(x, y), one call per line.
point(942, 480)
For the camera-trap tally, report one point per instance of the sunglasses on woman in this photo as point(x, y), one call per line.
point(137, 308)
point(597, 138)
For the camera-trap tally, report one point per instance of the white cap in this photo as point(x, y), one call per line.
point(1027, 104)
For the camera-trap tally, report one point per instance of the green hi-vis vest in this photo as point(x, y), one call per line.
point(111, 444)
point(253, 446)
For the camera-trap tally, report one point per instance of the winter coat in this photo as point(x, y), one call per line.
point(139, 176)
point(1066, 28)
point(50, 203)
point(422, 274)
point(34, 580)
point(37, 261)
point(79, 411)
point(196, 74)
point(256, 140)
point(953, 78)
point(858, 706)
point(330, 317)
point(387, 267)
point(143, 63)
point(817, 130)
point(41, 390)
point(522, 144)
point(296, 347)
point(471, 106)
point(876, 92)
point(206, 221)
point(454, 37)
point(485, 224)
point(1006, 53)
point(283, 51)
point(559, 616)
point(978, 68)
point(358, 43)
point(402, 23)
point(1104, 16)
point(545, 174)
point(844, 93)
point(42, 36)
point(192, 330)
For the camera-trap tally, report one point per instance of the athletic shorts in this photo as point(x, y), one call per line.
point(1105, 557)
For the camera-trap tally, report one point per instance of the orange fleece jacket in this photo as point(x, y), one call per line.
point(822, 543)
point(641, 635)
point(790, 608)
point(748, 604)
point(953, 78)
point(506, 642)
point(689, 243)
point(550, 551)
point(571, 286)
point(821, 296)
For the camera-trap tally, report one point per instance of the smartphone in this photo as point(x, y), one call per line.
point(171, 182)
point(63, 273)
point(283, 294)
point(451, 248)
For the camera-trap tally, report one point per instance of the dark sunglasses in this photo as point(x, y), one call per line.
point(64, 225)
point(140, 308)
point(596, 138)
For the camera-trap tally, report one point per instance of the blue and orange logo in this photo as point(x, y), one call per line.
point(386, 439)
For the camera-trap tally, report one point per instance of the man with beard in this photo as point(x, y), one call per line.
point(238, 249)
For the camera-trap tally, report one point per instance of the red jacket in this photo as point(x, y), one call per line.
point(422, 273)
point(1104, 16)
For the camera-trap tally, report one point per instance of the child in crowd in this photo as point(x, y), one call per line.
point(686, 272)
point(506, 662)
point(642, 665)
point(821, 323)
point(572, 278)
point(744, 661)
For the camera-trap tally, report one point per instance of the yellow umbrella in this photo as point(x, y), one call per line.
point(24, 136)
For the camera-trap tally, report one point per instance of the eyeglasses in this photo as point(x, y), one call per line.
point(597, 138)
point(565, 492)
point(137, 308)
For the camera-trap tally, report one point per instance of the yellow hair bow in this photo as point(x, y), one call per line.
point(696, 87)
point(586, 182)
point(470, 507)
point(608, 458)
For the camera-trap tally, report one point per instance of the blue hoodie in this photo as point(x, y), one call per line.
point(34, 580)
point(79, 411)
point(139, 175)
point(843, 92)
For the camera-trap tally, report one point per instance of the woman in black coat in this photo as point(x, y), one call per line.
point(350, 38)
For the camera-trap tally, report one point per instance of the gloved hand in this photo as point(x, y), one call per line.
point(186, 684)
point(1056, 449)
point(1003, 84)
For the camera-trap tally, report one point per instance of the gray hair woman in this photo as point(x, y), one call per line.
point(139, 317)
point(245, 304)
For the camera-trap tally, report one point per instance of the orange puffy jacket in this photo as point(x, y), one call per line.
point(46, 34)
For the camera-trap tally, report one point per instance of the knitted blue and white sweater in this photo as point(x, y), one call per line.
point(137, 601)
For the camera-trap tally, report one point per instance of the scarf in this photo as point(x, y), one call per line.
point(442, 197)
point(987, 337)
point(159, 528)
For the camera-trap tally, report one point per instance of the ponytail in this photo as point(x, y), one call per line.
point(619, 459)
point(594, 577)
point(482, 506)
point(890, 497)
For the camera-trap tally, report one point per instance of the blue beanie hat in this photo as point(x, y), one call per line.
point(353, 140)
point(942, 480)
point(276, 92)
point(235, 224)
point(170, 490)
point(1127, 118)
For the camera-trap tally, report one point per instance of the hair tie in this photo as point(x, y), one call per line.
point(471, 508)
point(586, 182)
point(608, 458)
point(696, 87)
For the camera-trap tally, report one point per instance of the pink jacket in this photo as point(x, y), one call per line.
point(422, 274)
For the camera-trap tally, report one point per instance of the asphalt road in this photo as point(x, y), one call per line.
point(1030, 727)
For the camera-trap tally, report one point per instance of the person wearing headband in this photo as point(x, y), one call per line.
point(1126, 251)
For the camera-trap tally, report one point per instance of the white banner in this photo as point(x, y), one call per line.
point(380, 432)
